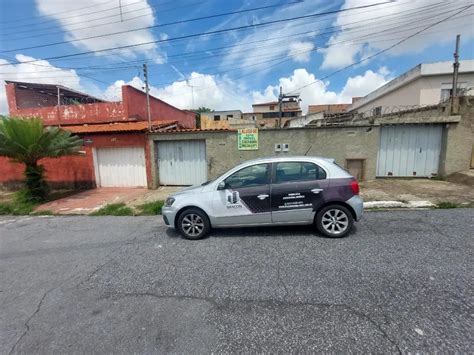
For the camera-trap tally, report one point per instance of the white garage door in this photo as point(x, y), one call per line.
point(182, 162)
point(409, 150)
point(121, 167)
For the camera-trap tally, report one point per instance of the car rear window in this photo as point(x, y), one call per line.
point(298, 171)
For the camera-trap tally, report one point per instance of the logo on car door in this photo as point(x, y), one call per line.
point(232, 199)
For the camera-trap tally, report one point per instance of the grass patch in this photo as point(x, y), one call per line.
point(114, 209)
point(150, 208)
point(43, 213)
point(448, 204)
point(16, 208)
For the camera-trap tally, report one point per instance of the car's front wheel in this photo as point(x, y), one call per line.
point(193, 224)
point(334, 221)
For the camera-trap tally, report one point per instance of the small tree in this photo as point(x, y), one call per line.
point(27, 140)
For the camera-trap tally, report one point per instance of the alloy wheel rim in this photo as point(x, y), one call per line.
point(335, 221)
point(193, 225)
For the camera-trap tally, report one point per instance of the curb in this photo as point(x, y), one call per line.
point(397, 204)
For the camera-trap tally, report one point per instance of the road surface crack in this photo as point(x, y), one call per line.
point(216, 303)
point(27, 323)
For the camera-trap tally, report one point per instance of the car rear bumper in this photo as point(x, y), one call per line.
point(357, 205)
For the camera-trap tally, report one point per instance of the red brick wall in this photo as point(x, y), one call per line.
point(132, 107)
point(76, 171)
point(134, 102)
point(75, 114)
point(70, 171)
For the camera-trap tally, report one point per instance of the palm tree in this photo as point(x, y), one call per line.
point(27, 140)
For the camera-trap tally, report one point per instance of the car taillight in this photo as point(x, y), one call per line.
point(355, 187)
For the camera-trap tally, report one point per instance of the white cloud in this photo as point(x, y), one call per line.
point(385, 25)
point(318, 93)
point(84, 23)
point(221, 93)
point(301, 51)
point(215, 92)
point(265, 46)
point(39, 72)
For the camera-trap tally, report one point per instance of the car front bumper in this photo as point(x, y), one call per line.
point(169, 215)
point(357, 205)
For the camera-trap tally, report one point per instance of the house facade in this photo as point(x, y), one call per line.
point(267, 114)
point(328, 108)
point(433, 142)
point(225, 120)
point(425, 84)
point(116, 151)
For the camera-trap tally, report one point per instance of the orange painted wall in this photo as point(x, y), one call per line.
point(76, 171)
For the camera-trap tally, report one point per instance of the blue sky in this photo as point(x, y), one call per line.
point(233, 69)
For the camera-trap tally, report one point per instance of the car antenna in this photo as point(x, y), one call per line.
point(311, 146)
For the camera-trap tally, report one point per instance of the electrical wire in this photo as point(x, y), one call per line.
point(200, 34)
point(383, 50)
point(216, 51)
point(150, 27)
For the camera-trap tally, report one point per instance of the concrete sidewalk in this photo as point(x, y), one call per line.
point(405, 190)
point(91, 200)
point(392, 193)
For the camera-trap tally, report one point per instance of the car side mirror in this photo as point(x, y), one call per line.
point(221, 186)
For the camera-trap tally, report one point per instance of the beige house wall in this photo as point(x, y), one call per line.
point(338, 143)
point(458, 141)
point(425, 90)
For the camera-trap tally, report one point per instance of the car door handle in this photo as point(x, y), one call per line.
point(316, 191)
point(262, 197)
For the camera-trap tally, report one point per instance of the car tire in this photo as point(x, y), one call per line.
point(334, 221)
point(193, 224)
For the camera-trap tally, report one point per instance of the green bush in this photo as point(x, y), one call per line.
point(114, 209)
point(150, 208)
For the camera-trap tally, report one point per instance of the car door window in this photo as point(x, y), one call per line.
point(298, 171)
point(254, 175)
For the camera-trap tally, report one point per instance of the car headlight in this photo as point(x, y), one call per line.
point(169, 201)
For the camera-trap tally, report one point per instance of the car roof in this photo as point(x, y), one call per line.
point(289, 158)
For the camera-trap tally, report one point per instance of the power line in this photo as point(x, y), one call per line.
point(404, 39)
point(244, 66)
point(149, 7)
point(364, 28)
point(154, 26)
point(84, 14)
point(383, 50)
point(294, 25)
point(285, 59)
point(56, 13)
point(208, 33)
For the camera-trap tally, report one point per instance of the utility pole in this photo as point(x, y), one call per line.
point(147, 90)
point(192, 92)
point(454, 91)
point(288, 99)
point(120, 6)
point(59, 104)
point(280, 100)
point(456, 68)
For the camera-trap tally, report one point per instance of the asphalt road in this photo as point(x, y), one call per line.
point(402, 282)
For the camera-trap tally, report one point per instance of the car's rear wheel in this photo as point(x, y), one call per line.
point(193, 224)
point(334, 221)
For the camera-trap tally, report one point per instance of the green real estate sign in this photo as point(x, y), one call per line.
point(247, 139)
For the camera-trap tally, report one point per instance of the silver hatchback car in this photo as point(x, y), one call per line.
point(270, 191)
